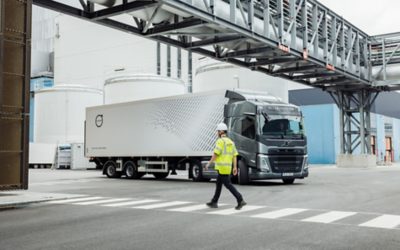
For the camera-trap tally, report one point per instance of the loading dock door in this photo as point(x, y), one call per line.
point(389, 150)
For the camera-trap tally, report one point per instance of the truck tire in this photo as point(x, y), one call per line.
point(288, 180)
point(196, 170)
point(131, 171)
point(160, 176)
point(110, 169)
point(243, 173)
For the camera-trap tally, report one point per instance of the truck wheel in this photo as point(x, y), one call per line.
point(288, 180)
point(243, 173)
point(110, 169)
point(196, 170)
point(131, 172)
point(160, 176)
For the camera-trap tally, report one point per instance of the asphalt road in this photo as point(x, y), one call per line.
point(332, 209)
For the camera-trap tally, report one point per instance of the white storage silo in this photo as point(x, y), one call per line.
point(211, 75)
point(60, 112)
point(139, 87)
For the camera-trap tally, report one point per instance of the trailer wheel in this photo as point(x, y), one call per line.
point(243, 173)
point(160, 176)
point(110, 169)
point(288, 180)
point(131, 171)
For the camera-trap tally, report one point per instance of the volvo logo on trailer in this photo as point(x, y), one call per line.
point(99, 121)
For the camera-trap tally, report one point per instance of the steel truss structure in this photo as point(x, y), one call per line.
point(300, 40)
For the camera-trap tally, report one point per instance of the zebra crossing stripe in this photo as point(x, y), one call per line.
point(164, 204)
point(96, 202)
point(383, 221)
point(230, 211)
point(130, 203)
point(279, 213)
point(189, 208)
point(329, 217)
point(76, 200)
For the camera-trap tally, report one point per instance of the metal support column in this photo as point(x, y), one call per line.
point(15, 45)
point(355, 119)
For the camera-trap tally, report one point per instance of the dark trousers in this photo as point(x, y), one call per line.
point(226, 180)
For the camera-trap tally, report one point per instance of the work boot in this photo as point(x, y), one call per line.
point(240, 205)
point(212, 204)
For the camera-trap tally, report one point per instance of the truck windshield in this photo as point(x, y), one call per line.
point(281, 127)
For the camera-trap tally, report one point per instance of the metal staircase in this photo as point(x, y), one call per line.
point(300, 40)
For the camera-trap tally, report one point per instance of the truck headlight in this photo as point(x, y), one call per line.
point(263, 163)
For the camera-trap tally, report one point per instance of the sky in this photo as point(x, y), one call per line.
point(372, 17)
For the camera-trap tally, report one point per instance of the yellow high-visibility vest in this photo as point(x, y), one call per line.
point(225, 150)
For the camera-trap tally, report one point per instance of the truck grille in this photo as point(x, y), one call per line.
point(286, 164)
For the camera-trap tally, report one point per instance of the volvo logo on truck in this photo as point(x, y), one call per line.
point(99, 121)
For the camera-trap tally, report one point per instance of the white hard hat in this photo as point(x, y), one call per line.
point(222, 127)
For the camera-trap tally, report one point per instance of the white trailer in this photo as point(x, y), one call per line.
point(161, 135)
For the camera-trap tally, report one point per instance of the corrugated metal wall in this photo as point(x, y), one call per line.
point(322, 130)
point(15, 39)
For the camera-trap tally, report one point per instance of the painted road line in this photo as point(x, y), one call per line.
point(230, 211)
point(162, 205)
point(189, 208)
point(383, 221)
point(329, 217)
point(102, 201)
point(130, 203)
point(76, 200)
point(280, 213)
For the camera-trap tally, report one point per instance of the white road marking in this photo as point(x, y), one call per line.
point(76, 200)
point(192, 208)
point(384, 221)
point(130, 203)
point(329, 217)
point(62, 182)
point(230, 211)
point(101, 201)
point(280, 213)
point(164, 204)
point(189, 208)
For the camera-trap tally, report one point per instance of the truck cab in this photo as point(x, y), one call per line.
point(269, 136)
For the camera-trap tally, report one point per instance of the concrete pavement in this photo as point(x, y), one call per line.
point(332, 209)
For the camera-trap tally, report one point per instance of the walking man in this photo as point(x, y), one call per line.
point(225, 154)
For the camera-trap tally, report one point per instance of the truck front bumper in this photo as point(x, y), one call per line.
point(280, 167)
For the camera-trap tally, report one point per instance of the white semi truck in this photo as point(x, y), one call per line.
point(160, 136)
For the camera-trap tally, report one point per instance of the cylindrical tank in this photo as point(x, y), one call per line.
point(139, 87)
point(60, 112)
point(211, 75)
